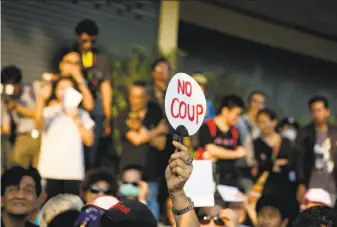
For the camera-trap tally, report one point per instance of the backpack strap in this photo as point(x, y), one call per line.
point(235, 133)
point(211, 127)
point(212, 131)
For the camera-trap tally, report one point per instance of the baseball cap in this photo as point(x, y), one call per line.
point(128, 213)
point(318, 195)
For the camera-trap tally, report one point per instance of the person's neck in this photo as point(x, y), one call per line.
point(269, 134)
point(221, 123)
point(321, 127)
point(252, 115)
point(159, 86)
point(12, 220)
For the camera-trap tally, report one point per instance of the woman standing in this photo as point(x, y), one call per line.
point(65, 128)
point(272, 152)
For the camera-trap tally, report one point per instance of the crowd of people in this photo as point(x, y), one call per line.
point(54, 132)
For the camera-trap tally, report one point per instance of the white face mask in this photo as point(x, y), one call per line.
point(289, 134)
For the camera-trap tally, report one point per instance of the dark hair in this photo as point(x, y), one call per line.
point(270, 201)
point(318, 98)
point(55, 83)
point(250, 96)
point(14, 175)
point(136, 167)
point(87, 26)
point(269, 112)
point(316, 217)
point(231, 101)
point(160, 60)
point(99, 174)
point(11, 74)
point(143, 84)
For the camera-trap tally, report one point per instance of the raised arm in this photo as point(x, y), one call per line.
point(177, 173)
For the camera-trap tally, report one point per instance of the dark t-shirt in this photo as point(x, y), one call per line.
point(277, 183)
point(227, 140)
point(144, 155)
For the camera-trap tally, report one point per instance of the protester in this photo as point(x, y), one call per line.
point(288, 127)
point(19, 102)
point(98, 74)
point(20, 190)
point(161, 70)
point(315, 144)
point(220, 140)
point(133, 187)
point(142, 129)
point(65, 130)
point(61, 210)
point(98, 183)
point(217, 216)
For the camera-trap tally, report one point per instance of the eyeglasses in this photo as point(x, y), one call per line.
point(205, 220)
point(136, 184)
point(95, 190)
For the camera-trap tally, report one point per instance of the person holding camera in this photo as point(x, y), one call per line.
point(19, 102)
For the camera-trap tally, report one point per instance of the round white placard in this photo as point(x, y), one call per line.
point(185, 103)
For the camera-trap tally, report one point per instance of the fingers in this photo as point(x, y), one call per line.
point(181, 172)
point(177, 163)
point(179, 146)
point(179, 155)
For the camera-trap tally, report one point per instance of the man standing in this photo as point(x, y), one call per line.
point(142, 130)
point(19, 101)
point(20, 190)
point(249, 131)
point(97, 72)
point(220, 140)
point(316, 145)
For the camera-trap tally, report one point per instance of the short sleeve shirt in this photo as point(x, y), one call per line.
point(61, 156)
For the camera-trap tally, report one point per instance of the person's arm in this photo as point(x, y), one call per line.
point(85, 128)
point(25, 111)
point(140, 136)
point(5, 120)
point(38, 118)
point(180, 202)
point(176, 175)
point(225, 154)
point(88, 100)
point(299, 149)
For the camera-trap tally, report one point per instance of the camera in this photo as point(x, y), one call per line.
point(7, 91)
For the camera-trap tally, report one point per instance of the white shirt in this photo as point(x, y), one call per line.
point(61, 156)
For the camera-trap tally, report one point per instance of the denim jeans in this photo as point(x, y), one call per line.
point(152, 198)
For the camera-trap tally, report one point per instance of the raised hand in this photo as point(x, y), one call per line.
point(179, 169)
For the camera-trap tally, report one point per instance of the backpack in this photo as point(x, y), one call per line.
point(212, 131)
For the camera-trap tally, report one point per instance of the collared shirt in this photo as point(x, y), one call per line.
point(27, 99)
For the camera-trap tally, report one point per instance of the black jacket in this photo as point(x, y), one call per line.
point(304, 151)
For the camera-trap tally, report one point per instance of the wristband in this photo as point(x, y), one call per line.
point(185, 210)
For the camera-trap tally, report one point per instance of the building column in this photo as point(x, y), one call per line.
point(168, 26)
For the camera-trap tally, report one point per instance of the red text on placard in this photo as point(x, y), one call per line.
point(184, 87)
point(186, 110)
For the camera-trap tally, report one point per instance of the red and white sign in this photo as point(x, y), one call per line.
point(185, 103)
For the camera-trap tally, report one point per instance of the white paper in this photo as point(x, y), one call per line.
point(200, 187)
point(185, 103)
point(229, 193)
point(71, 98)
